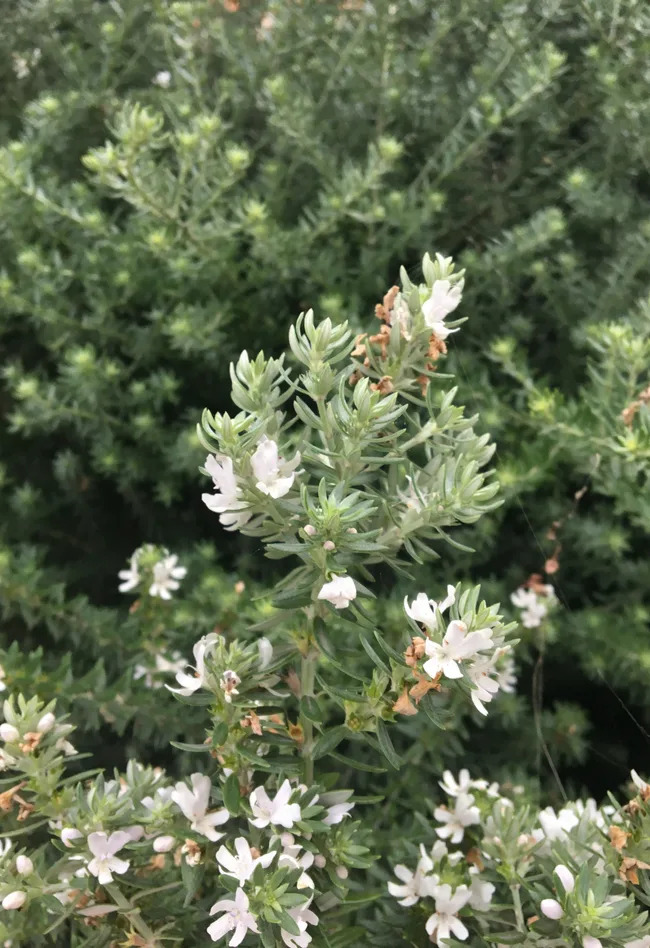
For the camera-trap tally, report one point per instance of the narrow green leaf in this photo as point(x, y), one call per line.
point(231, 794)
point(311, 709)
point(191, 748)
point(328, 741)
point(357, 764)
point(386, 745)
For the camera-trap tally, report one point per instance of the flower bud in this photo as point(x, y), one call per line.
point(287, 840)
point(46, 723)
point(320, 861)
point(24, 865)
point(551, 908)
point(566, 878)
point(9, 733)
point(14, 900)
point(329, 546)
point(69, 835)
point(309, 530)
point(590, 942)
point(163, 844)
point(342, 872)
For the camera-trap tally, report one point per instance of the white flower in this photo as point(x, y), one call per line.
point(551, 908)
point(227, 500)
point(65, 747)
point(165, 577)
point(485, 687)
point(506, 675)
point(163, 665)
point(555, 826)
point(194, 804)
point(274, 476)
point(161, 799)
point(68, 836)
point(23, 64)
point(444, 922)
point(130, 577)
point(636, 780)
point(457, 645)
point(14, 900)
point(163, 844)
point(534, 611)
point(401, 314)
point(278, 812)
point(590, 942)
point(228, 684)
point(9, 733)
point(5, 846)
point(425, 610)
point(290, 858)
point(455, 821)
point(417, 885)
point(566, 878)
point(338, 806)
point(302, 916)
point(191, 683)
point(46, 723)
point(480, 893)
point(340, 591)
point(24, 865)
point(242, 866)
point(453, 787)
point(236, 919)
point(3, 675)
point(105, 862)
point(266, 653)
point(444, 299)
point(162, 79)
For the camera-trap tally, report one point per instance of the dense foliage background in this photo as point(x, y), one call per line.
point(179, 180)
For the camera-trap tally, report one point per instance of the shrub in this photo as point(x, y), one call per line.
point(354, 459)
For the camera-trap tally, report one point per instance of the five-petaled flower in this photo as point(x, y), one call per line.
point(105, 862)
point(458, 644)
point(455, 821)
point(236, 918)
point(340, 591)
point(191, 683)
point(227, 500)
point(277, 812)
point(243, 865)
point(416, 885)
point(273, 475)
point(166, 576)
point(445, 297)
point(302, 916)
point(194, 804)
point(445, 922)
point(425, 610)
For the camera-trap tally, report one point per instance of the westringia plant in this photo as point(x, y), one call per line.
point(371, 466)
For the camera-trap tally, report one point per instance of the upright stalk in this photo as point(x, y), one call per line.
point(307, 676)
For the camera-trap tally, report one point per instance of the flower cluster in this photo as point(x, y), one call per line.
point(589, 903)
point(534, 603)
point(264, 472)
point(453, 651)
point(153, 566)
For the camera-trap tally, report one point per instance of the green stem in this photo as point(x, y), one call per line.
point(307, 676)
point(132, 913)
point(516, 899)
